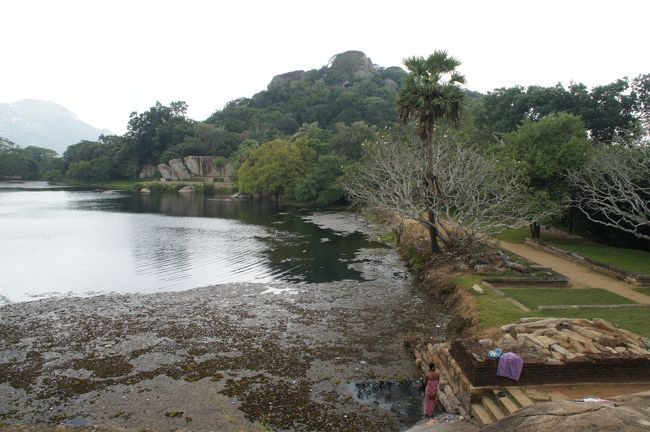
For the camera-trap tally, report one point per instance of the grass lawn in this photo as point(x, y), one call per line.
point(495, 311)
point(533, 297)
point(633, 260)
point(517, 235)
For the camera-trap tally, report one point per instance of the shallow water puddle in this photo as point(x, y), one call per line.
point(402, 398)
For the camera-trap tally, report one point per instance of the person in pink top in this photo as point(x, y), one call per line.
point(430, 390)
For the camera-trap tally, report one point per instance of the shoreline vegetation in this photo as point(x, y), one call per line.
point(200, 186)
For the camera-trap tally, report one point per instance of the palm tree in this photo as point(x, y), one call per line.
point(429, 93)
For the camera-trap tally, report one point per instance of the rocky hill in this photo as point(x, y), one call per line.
point(349, 88)
point(39, 123)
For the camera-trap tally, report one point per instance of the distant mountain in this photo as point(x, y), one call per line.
point(39, 123)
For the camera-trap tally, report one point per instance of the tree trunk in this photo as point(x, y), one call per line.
point(535, 230)
point(431, 190)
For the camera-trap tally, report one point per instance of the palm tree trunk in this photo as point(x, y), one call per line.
point(431, 189)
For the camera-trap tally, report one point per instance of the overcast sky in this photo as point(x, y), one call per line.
point(105, 59)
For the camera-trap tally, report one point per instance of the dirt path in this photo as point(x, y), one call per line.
point(580, 276)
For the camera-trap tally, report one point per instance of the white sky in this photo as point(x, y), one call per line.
point(105, 59)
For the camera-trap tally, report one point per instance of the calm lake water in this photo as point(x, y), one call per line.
point(66, 242)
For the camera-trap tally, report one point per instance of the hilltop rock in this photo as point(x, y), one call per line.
point(167, 172)
point(180, 169)
point(280, 80)
point(351, 65)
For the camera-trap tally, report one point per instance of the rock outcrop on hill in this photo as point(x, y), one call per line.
point(195, 166)
point(352, 65)
point(280, 80)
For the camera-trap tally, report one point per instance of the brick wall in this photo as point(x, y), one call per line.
point(480, 371)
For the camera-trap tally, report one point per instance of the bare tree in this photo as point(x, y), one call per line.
point(613, 188)
point(474, 194)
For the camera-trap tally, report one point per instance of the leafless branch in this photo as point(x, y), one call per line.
point(613, 188)
point(474, 195)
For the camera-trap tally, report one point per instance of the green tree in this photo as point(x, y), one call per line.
point(320, 186)
point(347, 140)
point(54, 176)
point(275, 167)
point(543, 151)
point(430, 93)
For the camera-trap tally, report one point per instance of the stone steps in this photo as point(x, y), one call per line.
point(492, 408)
point(480, 414)
point(504, 402)
point(519, 397)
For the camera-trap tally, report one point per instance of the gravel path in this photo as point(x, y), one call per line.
point(580, 276)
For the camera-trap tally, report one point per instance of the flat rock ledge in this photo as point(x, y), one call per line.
point(629, 413)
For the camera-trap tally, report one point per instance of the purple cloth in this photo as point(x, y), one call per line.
point(510, 366)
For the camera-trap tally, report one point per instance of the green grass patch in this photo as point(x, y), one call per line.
point(533, 297)
point(633, 260)
point(517, 235)
point(388, 237)
point(644, 290)
point(108, 184)
point(495, 311)
point(410, 253)
point(200, 186)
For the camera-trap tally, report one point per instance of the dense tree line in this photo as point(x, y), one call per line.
point(29, 163)
point(296, 138)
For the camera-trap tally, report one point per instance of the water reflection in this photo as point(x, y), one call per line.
point(58, 242)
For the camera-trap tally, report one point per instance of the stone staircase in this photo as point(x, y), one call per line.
point(497, 404)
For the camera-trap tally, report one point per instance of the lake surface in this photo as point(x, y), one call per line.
point(67, 242)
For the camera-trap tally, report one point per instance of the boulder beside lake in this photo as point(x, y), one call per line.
point(145, 191)
point(241, 196)
point(167, 172)
point(187, 189)
point(180, 169)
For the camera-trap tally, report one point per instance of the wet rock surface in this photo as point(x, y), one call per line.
point(275, 356)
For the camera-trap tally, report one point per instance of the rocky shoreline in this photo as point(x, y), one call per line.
point(226, 357)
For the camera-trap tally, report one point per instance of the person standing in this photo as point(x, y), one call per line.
point(430, 390)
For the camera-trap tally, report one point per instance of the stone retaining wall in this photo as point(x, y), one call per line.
point(628, 367)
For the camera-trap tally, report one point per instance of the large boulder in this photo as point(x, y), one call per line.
point(147, 171)
point(351, 65)
point(205, 166)
point(280, 80)
point(167, 172)
point(180, 169)
point(201, 166)
point(187, 189)
point(629, 413)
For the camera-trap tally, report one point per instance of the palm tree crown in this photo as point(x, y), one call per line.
point(431, 91)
